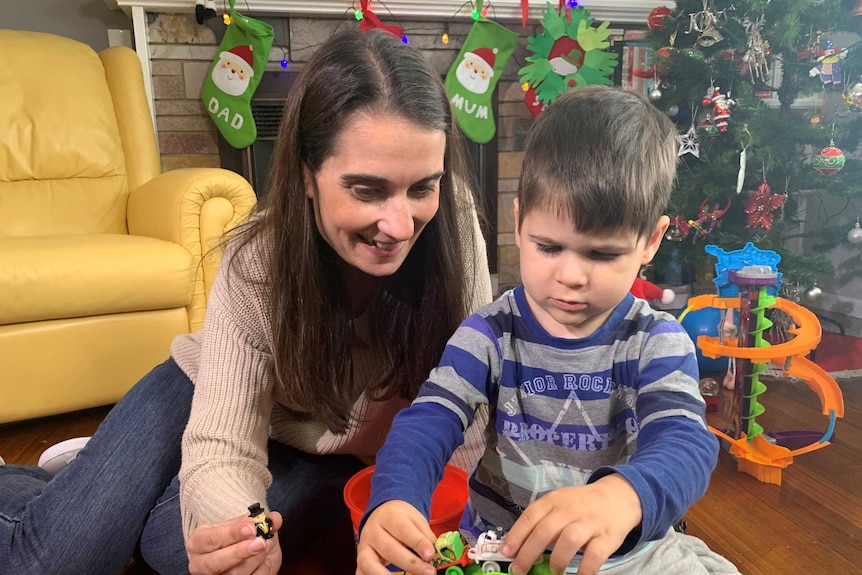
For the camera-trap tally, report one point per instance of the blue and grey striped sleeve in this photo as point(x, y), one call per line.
point(676, 452)
point(424, 435)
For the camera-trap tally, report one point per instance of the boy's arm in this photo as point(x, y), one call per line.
point(424, 435)
point(676, 452)
point(411, 462)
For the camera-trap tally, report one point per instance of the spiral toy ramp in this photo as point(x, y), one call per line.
point(758, 456)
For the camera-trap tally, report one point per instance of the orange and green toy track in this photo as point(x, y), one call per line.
point(758, 456)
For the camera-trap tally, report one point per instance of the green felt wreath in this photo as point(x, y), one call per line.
point(568, 54)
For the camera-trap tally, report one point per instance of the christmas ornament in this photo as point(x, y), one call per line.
point(811, 46)
point(715, 120)
point(655, 19)
point(705, 22)
point(694, 54)
point(758, 50)
point(743, 160)
point(234, 75)
point(815, 121)
point(720, 109)
point(688, 143)
point(759, 206)
point(474, 74)
point(654, 95)
point(665, 51)
point(708, 220)
point(790, 292)
point(853, 97)
point(368, 20)
point(741, 60)
point(708, 126)
point(708, 386)
point(707, 100)
point(829, 161)
point(568, 53)
point(677, 230)
point(814, 293)
point(672, 110)
point(854, 236)
point(828, 66)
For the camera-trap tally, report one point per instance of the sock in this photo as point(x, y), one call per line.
point(472, 78)
point(234, 76)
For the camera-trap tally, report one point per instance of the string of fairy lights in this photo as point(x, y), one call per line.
point(363, 13)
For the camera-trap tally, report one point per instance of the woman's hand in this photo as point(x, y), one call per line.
point(233, 548)
point(395, 533)
point(595, 517)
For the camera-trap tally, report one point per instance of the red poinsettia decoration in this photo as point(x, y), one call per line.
point(760, 205)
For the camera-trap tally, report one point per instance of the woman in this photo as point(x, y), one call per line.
point(330, 308)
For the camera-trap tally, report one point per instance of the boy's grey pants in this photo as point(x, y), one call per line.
point(675, 554)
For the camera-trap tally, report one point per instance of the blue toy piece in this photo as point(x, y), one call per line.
point(738, 259)
point(704, 322)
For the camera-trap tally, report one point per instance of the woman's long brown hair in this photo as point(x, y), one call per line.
point(414, 311)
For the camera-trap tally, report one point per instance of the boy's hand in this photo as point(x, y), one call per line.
point(595, 518)
point(390, 533)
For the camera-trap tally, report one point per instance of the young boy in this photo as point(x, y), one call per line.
point(597, 441)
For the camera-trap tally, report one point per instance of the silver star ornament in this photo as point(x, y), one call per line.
point(688, 143)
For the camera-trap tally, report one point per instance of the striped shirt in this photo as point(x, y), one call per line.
point(563, 412)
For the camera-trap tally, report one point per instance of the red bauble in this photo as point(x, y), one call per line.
point(829, 161)
point(655, 20)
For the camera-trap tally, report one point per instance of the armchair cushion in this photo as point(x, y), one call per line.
point(62, 170)
point(51, 277)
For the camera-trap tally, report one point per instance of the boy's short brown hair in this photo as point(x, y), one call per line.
point(604, 158)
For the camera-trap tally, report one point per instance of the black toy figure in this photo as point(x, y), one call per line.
point(262, 524)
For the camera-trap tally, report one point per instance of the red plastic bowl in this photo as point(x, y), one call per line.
point(447, 502)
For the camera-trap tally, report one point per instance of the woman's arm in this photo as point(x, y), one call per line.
point(224, 465)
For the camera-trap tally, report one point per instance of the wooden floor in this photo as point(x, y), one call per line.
point(810, 525)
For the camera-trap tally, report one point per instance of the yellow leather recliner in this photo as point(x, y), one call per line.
point(100, 254)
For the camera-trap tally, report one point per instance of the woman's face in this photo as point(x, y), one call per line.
point(377, 191)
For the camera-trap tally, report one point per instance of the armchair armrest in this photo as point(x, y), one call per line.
point(193, 207)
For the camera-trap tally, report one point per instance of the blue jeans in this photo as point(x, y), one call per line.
point(91, 516)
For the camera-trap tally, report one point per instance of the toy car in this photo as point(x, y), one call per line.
point(487, 551)
point(450, 554)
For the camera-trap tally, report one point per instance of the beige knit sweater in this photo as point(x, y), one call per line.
point(237, 406)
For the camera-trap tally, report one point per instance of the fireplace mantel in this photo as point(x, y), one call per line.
point(615, 11)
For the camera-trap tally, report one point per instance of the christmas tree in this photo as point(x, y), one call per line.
point(728, 73)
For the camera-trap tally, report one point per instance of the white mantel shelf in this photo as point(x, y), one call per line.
point(506, 11)
point(616, 11)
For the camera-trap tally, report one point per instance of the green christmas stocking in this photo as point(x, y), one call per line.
point(471, 79)
point(234, 76)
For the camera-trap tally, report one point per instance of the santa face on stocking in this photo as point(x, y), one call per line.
point(234, 70)
point(476, 70)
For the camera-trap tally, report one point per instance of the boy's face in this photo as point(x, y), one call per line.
point(573, 281)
